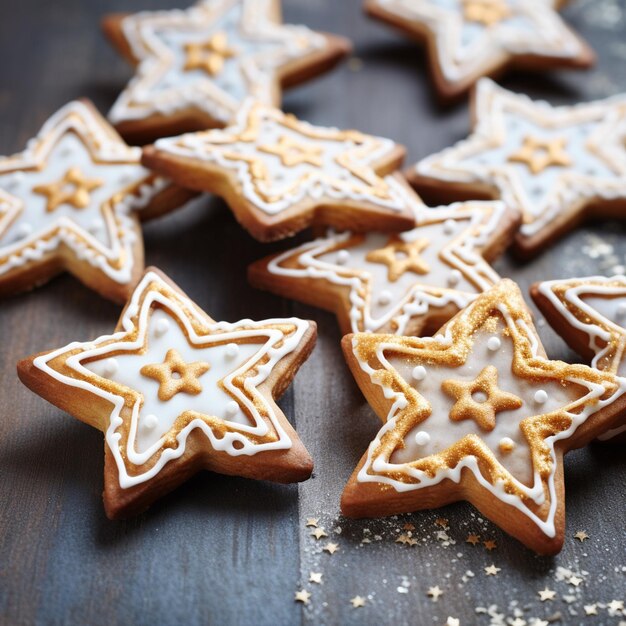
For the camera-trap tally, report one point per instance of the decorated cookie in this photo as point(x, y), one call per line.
point(408, 283)
point(557, 165)
point(280, 175)
point(71, 201)
point(176, 392)
point(590, 314)
point(476, 413)
point(195, 67)
point(467, 39)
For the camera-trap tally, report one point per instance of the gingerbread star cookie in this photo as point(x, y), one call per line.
point(476, 413)
point(72, 200)
point(175, 392)
point(590, 315)
point(408, 283)
point(280, 175)
point(468, 39)
point(195, 67)
point(557, 165)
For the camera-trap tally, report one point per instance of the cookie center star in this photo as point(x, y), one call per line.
point(401, 257)
point(174, 375)
point(210, 55)
point(479, 399)
point(538, 153)
point(73, 188)
point(293, 152)
point(486, 12)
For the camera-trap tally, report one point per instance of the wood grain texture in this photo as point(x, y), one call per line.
point(229, 551)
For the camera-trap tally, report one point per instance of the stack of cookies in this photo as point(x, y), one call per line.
point(442, 347)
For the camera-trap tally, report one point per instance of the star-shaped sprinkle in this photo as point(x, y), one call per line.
point(195, 67)
point(312, 521)
point(302, 596)
point(615, 607)
point(468, 39)
point(590, 315)
point(490, 544)
point(492, 570)
point(581, 535)
point(550, 163)
point(174, 375)
point(575, 581)
point(591, 609)
point(546, 594)
point(420, 446)
point(318, 533)
point(357, 602)
point(71, 200)
point(403, 538)
point(400, 257)
point(336, 271)
point(331, 547)
point(315, 577)
point(232, 416)
point(442, 522)
point(408, 526)
point(473, 539)
point(434, 593)
point(453, 621)
point(313, 175)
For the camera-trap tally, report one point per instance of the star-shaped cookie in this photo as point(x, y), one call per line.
point(195, 67)
point(510, 467)
point(409, 283)
point(280, 175)
point(590, 315)
point(468, 39)
point(176, 392)
point(557, 165)
point(71, 201)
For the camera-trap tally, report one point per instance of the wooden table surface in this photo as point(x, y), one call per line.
point(231, 551)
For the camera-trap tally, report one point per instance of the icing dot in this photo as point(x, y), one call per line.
point(232, 350)
point(494, 344)
point(150, 421)
point(23, 230)
point(621, 309)
point(454, 278)
point(540, 396)
point(449, 226)
point(384, 298)
point(110, 367)
point(232, 408)
point(419, 372)
point(343, 256)
point(506, 445)
point(422, 438)
point(161, 327)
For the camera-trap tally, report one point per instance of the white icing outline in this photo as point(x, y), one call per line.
point(462, 252)
point(137, 316)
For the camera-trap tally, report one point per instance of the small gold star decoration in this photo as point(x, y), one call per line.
point(174, 375)
point(473, 539)
point(479, 399)
point(581, 535)
point(538, 154)
point(408, 526)
point(331, 547)
point(434, 593)
point(591, 609)
point(442, 522)
point(492, 570)
point(293, 152)
point(486, 12)
point(312, 521)
point(303, 596)
point(615, 606)
point(357, 602)
point(490, 544)
point(210, 55)
point(401, 256)
point(575, 581)
point(318, 533)
point(403, 538)
point(315, 577)
point(546, 594)
point(73, 188)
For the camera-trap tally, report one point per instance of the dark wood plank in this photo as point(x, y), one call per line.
point(228, 551)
